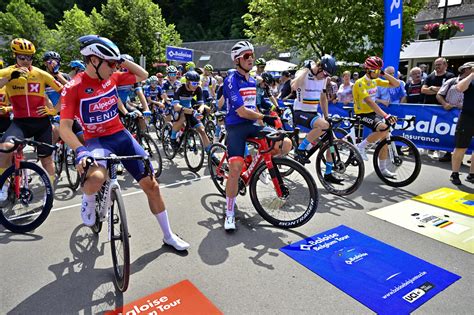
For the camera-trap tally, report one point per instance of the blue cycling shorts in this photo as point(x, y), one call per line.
point(237, 136)
point(121, 143)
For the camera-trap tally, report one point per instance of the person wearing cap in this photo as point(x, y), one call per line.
point(25, 85)
point(93, 97)
point(465, 126)
point(77, 66)
point(355, 77)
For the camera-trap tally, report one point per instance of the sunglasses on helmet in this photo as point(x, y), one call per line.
point(194, 83)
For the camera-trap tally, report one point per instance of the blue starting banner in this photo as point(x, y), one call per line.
point(392, 41)
point(383, 278)
point(179, 54)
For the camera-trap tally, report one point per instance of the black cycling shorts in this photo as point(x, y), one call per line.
point(371, 120)
point(305, 119)
point(4, 123)
point(38, 128)
point(237, 136)
point(464, 130)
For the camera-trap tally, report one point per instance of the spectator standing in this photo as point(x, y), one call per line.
point(344, 93)
point(285, 83)
point(355, 77)
point(435, 80)
point(464, 128)
point(388, 95)
point(424, 75)
point(413, 87)
point(332, 89)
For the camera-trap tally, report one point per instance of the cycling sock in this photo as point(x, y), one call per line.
point(173, 134)
point(230, 206)
point(303, 144)
point(383, 164)
point(164, 222)
point(328, 168)
point(363, 144)
point(90, 199)
point(208, 148)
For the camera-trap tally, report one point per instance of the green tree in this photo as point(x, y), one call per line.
point(132, 25)
point(22, 20)
point(349, 29)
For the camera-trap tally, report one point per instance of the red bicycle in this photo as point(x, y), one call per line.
point(30, 192)
point(282, 191)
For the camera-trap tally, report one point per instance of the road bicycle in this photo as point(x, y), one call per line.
point(188, 141)
point(109, 206)
point(282, 191)
point(64, 157)
point(30, 191)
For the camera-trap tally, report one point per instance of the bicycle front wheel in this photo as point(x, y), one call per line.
point(119, 241)
point(29, 204)
point(151, 148)
point(72, 174)
point(218, 166)
point(210, 129)
point(170, 152)
point(347, 166)
point(403, 161)
point(58, 157)
point(193, 150)
point(299, 198)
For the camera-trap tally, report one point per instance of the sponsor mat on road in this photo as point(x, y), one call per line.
point(442, 225)
point(181, 298)
point(451, 199)
point(383, 278)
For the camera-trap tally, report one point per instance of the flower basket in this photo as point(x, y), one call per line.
point(443, 30)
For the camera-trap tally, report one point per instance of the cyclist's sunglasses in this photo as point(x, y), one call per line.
point(194, 83)
point(112, 64)
point(375, 71)
point(171, 74)
point(24, 57)
point(246, 56)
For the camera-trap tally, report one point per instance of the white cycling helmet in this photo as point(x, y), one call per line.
point(239, 48)
point(98, 46)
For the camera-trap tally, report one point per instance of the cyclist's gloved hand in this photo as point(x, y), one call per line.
point(133, 114)
point(83, 153)
point(147, 113)
point(15, 75)
point(269, 120)
point(390, 120)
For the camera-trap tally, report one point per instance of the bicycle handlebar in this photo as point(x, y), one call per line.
point(409, 122)
point(278, 135)
point(17, 142)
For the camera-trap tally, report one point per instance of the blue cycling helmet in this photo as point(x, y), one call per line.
point(77, 64)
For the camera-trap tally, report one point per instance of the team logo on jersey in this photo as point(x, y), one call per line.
point(33, 87)
point(100, 109)
point(89, 90)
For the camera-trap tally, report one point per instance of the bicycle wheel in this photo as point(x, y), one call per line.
point(193, 150)
point(119, 241)
point(347, 166)
point(35, 200)
point(72, 174)
point(58, 160)
point(406, 165)
point(299, 200)
point(166, 141)
point(97, 227)
point(210, 128)
point(151, 148)
point(159, 123)
point(219, 174)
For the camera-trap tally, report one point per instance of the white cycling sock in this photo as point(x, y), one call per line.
point(363, 144)
point(88, 198)
point(230, 206)
point(383, 164)
point(164, 222)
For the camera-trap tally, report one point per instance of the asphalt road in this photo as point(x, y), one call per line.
point(61, 268)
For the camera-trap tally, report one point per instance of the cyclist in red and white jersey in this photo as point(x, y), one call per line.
point(92, 97)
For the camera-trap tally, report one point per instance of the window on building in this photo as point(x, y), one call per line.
point(450, 3)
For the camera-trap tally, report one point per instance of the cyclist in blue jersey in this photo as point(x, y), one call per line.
point(243, 120)
point(266, 102)
point(170, 86)
point(183, 105)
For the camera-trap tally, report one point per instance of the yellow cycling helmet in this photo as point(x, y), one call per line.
point(22, 46)
point(190, 66)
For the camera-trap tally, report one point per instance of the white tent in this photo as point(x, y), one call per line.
point(276, 65)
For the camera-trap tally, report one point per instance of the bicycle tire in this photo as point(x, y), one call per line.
point(97, 227)
point(193, 148)
point(151, 147)
point(168, 149)
point(352, 160)
point(218, 151)
point(71, 170)
point(159, 123)
point(47, 202)
point(313, 198)
point(118, 217)
point(58, 160)
point(417, 160)
point(210, 128)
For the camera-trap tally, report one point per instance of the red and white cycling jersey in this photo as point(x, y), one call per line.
point(94, 103)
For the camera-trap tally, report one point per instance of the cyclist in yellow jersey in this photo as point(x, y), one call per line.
point(372, 116)
point(25, 86)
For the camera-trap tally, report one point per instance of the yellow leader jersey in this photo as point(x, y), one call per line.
point(365, 87)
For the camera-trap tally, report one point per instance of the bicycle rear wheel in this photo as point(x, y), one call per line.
point(299, 200)
point(170, 152)
point(119, 241)
point(26, 213)
point(153, 151)
point(193, 150)
point(219, 174)
point(210, 128)
point(348, 166)
point(58, 157)
point(72, 174)
point(406, 165)
point(158, 125)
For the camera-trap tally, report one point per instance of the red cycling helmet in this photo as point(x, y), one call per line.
point(373, 63)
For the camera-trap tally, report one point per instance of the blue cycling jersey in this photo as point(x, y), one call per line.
point(238, 91)
point(184, 97)
point(52, 94)
point(153, 93)
point(171, 88)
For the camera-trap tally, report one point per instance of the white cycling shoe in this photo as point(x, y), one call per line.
point(388, 174)
point(176, 242)
point(229, 223)
point(88, 213)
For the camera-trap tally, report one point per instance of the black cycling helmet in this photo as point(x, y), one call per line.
point(51, 55)
point(267, 78)
point(328, 64)
point(192, 76)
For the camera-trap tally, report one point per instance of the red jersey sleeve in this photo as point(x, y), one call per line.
point(69, 102)
point(124, 78)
